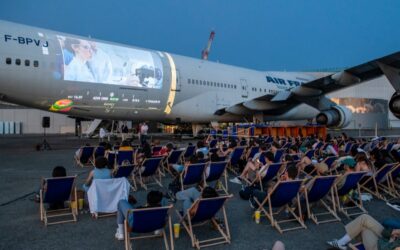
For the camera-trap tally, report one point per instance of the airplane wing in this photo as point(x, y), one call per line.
point(312, 91)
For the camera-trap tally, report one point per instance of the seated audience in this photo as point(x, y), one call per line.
point(100, 171)
point(189, 196)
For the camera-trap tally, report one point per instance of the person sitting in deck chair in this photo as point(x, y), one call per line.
point(100, 171)
point(154, 199)
point(373, 234)
point(58, 171)
point(190, 195)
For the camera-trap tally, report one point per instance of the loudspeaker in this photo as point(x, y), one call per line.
point(46, 122)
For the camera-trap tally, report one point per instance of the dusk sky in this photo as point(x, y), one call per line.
point(259, 34)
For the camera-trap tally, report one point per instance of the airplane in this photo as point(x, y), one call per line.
point(89, 78)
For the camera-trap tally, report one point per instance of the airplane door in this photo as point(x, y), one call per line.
point(243, 88)
point(178, 81)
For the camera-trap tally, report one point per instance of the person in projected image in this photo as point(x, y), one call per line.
point(78, 69)
point(100, 64)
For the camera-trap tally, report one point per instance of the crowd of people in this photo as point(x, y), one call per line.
point(301, 158)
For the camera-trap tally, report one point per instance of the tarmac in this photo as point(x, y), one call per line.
point(22, 167)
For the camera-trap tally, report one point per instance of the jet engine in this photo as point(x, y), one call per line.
point(394, 104)
point(338, 117)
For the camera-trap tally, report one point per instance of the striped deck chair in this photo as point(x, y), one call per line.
point(57, 191)
point(357, 246)
point(236, 155)
point(124, 157)
point(216, 171)
point(150, 168)
point(84, 157)
point(252, 152)
point(380, 181)
point(350, 182)
point(146, 221)
point(393, 179)
point(279, 199)
point(190, 150)
point(320, 188)
point(207, 210)
point(192, 175)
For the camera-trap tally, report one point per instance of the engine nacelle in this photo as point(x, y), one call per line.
point(394, 104)
point(338, 117)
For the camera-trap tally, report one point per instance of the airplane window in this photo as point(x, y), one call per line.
point(224, 85)
point(18, 61)
point(189, 81)
point(27, 63)
point(217, 84)
point(208, 83)
point(35, 63)
point(197, 81)
point(8, 60)
point(201, 82)
point(235, 86)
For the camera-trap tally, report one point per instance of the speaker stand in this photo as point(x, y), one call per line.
point(45, 145)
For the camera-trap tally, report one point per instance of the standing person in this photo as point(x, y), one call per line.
point(139, 127)
point(102, 134)
point(124, 131)
point(143, 133)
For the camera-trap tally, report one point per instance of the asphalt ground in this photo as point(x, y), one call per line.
point(21, 168)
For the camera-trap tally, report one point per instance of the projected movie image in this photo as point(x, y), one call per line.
point(88, 61)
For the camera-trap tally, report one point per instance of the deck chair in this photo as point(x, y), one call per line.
point(146, 221)
point(216, 171)
point(124, 156)
point(98, 151)
point(207, 210)
point(351, 182)
point(104, 195)
point(310, 153)
point(192, 175)
point(58, 190)
point(252, 152)
point(150, 168)
point(190, 150)
point(379, 181)
point(125, 171)
point(329, 162)
point(174, 157)
point(278, 155)
point(84, 157)
point(269, 173)
point(347, 147)
point(319, 190)
point(357, 246)
point(295, 157)
point(156, 149)
point(393, 176)
point(236, 155)
point(281, 195)
point(111, 160)
point(213, 143)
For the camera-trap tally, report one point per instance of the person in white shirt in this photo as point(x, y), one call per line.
point(143, 132)
point(78, 69)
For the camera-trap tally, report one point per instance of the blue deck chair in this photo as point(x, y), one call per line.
point(279, 198)
point(192, 174)
point(358, 246)
point(174, 157)
point(156, 149)
point(206, 211)
point(145, 222)
point(347, 147)
point(213, 143)
point(310, 153)
point(278, 155)
point(236, 155)
point(126, 171)
point(295, 157)
point(85, 156)
point(150, 168)
point(320, 188)
point(124, 157)
point(319, 145)
point(111, 159)
point(390, 146)
point(190, 150)
point(98, 151)
point(57, 191)
point(329, 162)
point(350, 181)
point(267, 174)
point(217, 170)
point(252, 152)
point(380, 181)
